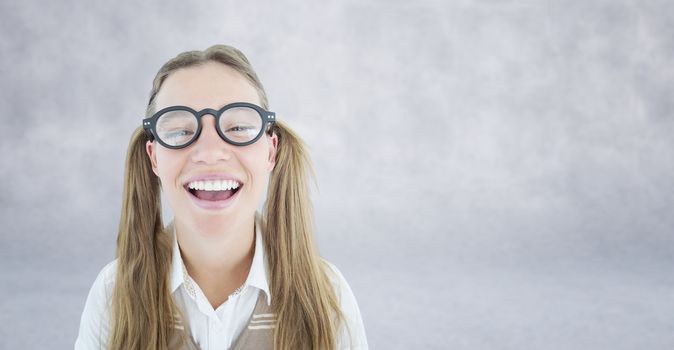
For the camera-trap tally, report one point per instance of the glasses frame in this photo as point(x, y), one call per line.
point(150, 124)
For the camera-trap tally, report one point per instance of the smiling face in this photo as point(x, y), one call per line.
point(211, 85)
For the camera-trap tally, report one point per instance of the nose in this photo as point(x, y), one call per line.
point(210, 147)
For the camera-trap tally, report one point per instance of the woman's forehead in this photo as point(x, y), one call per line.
point(210, 85)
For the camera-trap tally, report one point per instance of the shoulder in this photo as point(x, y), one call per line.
point(104, 282)
point(94, 322)
point(352, 333)
point(108, 273)
point(339, 283)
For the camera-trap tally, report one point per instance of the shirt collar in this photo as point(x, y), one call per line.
point(258, 276)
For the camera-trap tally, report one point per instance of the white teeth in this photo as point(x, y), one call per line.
point(214, 185)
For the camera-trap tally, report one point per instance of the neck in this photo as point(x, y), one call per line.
point(218, 260)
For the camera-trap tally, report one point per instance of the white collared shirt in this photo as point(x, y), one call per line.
point(212, 328)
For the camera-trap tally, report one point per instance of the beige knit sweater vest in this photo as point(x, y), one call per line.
point(258, 335)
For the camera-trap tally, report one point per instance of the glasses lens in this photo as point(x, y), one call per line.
point(241, 124)
point(176, 128)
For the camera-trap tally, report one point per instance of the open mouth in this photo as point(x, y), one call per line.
point(214, 194)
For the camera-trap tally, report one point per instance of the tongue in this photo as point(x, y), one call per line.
point(213, 195)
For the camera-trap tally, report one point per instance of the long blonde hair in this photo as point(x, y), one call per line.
point(143, 315)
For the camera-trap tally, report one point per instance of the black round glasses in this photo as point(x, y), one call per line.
point(238, 123)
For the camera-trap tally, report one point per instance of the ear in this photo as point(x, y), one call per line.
point(151, 152)
point(273, 148)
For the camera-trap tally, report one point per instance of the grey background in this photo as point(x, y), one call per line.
point(492, 174)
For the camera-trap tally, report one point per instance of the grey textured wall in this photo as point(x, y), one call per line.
point(492, 174)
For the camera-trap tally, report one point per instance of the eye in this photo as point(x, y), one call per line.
point(179, 133)
point(241, 128)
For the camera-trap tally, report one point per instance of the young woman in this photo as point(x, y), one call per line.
point(220, 275)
